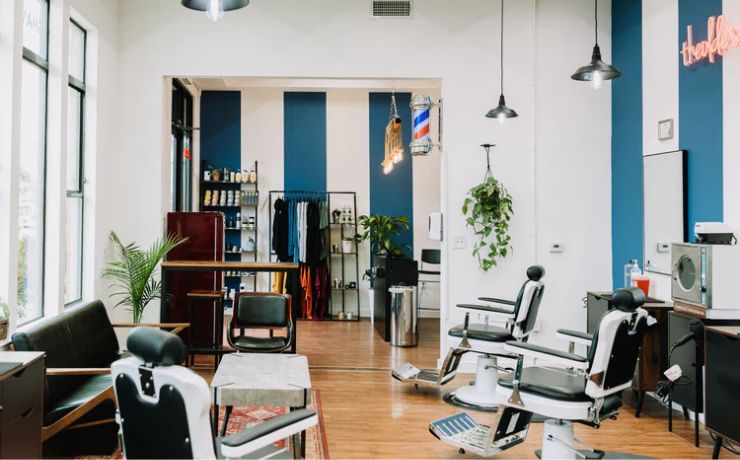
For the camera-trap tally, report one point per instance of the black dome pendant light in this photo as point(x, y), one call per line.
point(214, 8)
point(501, 112)
point(596, 71)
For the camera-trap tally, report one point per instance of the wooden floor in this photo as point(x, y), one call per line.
point(369, 415)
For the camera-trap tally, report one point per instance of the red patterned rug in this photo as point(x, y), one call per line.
point(245, 417)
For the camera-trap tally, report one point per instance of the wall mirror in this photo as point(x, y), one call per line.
point(664, 187)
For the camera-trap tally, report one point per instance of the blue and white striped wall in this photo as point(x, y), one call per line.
point(702, 101)
point(330, 140)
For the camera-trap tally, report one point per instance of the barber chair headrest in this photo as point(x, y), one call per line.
point(628, 299)
point(535, 272)
point(155, 346)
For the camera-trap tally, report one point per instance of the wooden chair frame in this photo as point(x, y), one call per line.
point(77, 413)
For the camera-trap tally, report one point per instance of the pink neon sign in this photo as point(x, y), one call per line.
point(721, 38)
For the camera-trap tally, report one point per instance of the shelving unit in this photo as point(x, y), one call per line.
point(236, 236)
point(340, 264)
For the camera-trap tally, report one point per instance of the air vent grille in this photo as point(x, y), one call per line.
point(391, 9)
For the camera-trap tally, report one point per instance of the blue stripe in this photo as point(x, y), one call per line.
point(421, 117)
point(627, 195)
point(391, 194)
point(304, 136)
point(700, 113)
point(220, 147)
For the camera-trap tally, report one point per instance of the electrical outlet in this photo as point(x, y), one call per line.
point(556, 247)
point(460, 242)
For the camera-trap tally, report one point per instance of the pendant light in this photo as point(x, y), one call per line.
point(596, 71)
point(501, 112)
point(214, 8)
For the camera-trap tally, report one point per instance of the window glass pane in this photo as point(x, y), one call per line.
point(77, 52)
point(35, 26)
point(74, 122)
point(31, 193)
point(73, 259)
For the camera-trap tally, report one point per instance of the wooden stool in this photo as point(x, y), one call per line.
point(216, 347)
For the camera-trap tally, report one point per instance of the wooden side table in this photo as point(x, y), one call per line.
point(21, 403)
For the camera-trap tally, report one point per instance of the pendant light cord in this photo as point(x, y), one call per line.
point(502, 48)
point(596, 21)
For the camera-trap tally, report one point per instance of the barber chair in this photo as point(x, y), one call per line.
point(584, 389)
point(488, 341)
point(163, 408)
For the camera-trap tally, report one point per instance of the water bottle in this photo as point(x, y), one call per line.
point(631, 268)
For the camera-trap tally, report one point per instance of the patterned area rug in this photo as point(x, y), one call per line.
point(244, 417)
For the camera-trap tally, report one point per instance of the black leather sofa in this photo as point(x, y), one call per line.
point(80, 346)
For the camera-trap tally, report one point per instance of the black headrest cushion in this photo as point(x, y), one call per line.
point(628, 299)
point(156, 346)
point(535, 272)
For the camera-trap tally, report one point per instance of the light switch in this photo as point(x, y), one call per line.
point(461, 242)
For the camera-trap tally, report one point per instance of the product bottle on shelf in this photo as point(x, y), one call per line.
point(238, 220)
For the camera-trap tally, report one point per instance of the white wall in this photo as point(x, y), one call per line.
point(443, 40)
point(659, 92)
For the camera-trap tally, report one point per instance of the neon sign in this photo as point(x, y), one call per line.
point(720, 40)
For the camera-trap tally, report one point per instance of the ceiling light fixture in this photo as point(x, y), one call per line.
point(596, 71)
point(501, 112)
point(214, 8)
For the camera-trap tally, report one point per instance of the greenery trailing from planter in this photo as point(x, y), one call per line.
point(132, 273)
point(488, 209)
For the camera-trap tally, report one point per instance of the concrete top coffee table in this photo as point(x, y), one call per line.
point(260, 379)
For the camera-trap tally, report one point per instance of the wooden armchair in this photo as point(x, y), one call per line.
point(79, 402)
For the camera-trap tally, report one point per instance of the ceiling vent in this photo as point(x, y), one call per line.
point(391, 9)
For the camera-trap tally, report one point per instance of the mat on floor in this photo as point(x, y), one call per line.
point(244, 417)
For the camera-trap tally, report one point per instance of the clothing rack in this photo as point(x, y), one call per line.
point(339, 263)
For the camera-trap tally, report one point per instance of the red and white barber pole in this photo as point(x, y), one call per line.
point(421, 143)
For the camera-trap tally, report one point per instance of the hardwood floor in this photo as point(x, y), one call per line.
point(370, 415)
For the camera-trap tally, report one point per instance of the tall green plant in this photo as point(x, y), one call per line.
point(132, 273)
point(488, 209)
point(383, 231)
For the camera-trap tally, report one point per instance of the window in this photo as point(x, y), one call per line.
point(32, 160)
point(75, 170)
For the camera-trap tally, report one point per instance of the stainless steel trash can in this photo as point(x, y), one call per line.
point(404, 322)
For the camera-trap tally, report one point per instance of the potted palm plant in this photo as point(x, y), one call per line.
point(132, 272)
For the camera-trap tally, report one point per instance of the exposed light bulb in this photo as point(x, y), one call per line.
point(387, 167)
point(398, 156)
point(501, 118)
point(597, 79)
point(215, 10)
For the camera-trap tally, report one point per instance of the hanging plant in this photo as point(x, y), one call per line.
point(488, 208)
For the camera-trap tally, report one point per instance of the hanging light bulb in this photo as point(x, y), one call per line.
point(597, 70)
point(215, 10)
point(597, 79)
point(387, 166)
point(501, 112)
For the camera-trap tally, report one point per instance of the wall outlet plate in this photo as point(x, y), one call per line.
point(460, 242)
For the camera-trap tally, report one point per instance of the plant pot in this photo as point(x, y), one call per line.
point(3, 329)
point(348, 246)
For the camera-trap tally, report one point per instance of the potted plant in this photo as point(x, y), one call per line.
point(5, 312)
point(488, 209)
point(383, 231)
point(132, 273)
